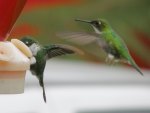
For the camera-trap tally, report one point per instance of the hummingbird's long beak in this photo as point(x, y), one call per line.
point(86, 21)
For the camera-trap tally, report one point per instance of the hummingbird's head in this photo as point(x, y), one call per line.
point(98, 25)
point(28, 40)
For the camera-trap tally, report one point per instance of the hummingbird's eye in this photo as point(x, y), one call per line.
point(27, 42)
point(96, 23)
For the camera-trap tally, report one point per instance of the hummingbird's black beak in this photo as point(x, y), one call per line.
point(86, 21)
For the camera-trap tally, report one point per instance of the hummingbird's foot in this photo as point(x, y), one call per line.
point(125, 61)
point(114, 61)
point(110, 59)
point(106, 60)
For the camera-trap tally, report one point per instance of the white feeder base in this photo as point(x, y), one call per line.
point(12, 82)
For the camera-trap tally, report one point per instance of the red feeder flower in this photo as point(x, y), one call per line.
point(10, 10)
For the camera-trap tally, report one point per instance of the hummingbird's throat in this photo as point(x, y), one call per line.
point(34, 48)
point(96, 30)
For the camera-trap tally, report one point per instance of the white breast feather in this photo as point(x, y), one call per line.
point(34, 48)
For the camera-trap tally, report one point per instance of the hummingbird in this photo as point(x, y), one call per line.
point(106, 38)
point(42, 53)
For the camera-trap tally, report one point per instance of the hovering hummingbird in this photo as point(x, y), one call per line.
point(42, 54)
point(106, 38)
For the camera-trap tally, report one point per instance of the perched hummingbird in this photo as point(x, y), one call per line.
point(42, 54)
point(106, 38)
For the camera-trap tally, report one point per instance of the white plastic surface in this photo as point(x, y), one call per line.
point(75, 87)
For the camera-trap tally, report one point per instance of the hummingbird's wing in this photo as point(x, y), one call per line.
point(80, 38)
point(60, 49)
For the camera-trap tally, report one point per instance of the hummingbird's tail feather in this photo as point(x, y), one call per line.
point(44, 95)
point(135, 66)
point(43, 88)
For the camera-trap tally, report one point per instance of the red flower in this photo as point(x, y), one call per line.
point(10, 10)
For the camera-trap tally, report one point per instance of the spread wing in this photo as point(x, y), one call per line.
point(81, 38)
point(60, 49)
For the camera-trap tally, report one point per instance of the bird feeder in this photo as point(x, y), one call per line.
point(13, 66)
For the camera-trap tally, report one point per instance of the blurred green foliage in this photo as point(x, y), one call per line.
point(125, 16)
